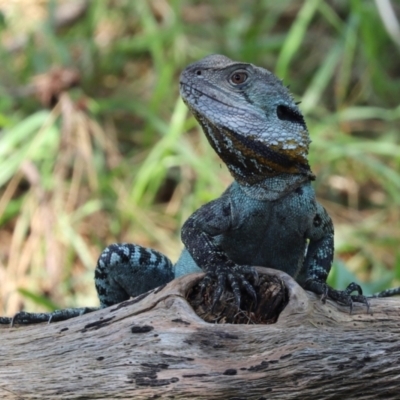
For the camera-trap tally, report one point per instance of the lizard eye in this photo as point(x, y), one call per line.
point(238, 77)
point(285, 113)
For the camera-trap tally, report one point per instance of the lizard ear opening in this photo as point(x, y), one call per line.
point(286, 113)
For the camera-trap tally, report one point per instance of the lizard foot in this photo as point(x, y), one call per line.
point(237, 279)
point(55, 316)
point(344, 296)
point(272, 298)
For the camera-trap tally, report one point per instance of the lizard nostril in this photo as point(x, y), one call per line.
point(198, 72)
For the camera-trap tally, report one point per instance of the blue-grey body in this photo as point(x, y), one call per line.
point(250, 229)
point(249, 232)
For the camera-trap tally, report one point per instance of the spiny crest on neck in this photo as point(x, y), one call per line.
point(249, 118)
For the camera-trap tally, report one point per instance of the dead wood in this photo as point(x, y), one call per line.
point(156, 346)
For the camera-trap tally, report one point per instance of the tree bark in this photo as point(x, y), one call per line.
point(155, 346)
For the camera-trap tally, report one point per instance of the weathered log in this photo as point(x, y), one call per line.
point(155, 346)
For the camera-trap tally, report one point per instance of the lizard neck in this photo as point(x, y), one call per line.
point(274, 188)
point(252, 162)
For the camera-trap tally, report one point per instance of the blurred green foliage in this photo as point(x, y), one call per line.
point(114, 156)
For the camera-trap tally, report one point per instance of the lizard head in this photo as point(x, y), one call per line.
point(249, 118)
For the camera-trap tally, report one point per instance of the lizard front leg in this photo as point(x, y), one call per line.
point(318, 263)
point(200, 236)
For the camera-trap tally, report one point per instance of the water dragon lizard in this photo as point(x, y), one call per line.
point(268, 216)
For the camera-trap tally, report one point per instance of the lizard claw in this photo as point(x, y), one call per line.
point(235, 289)
point(250, 289)
point(18, 317)
point(234, 283)
point(346, 298)
point(359, 298)
point(254, 274)
point(325, 294)
point(236, 277)
point(219, 290)
point(343, 297)
point(204, 283)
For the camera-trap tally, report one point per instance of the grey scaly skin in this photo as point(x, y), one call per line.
point(267, 217)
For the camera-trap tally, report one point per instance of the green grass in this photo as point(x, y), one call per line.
point(119, 158)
